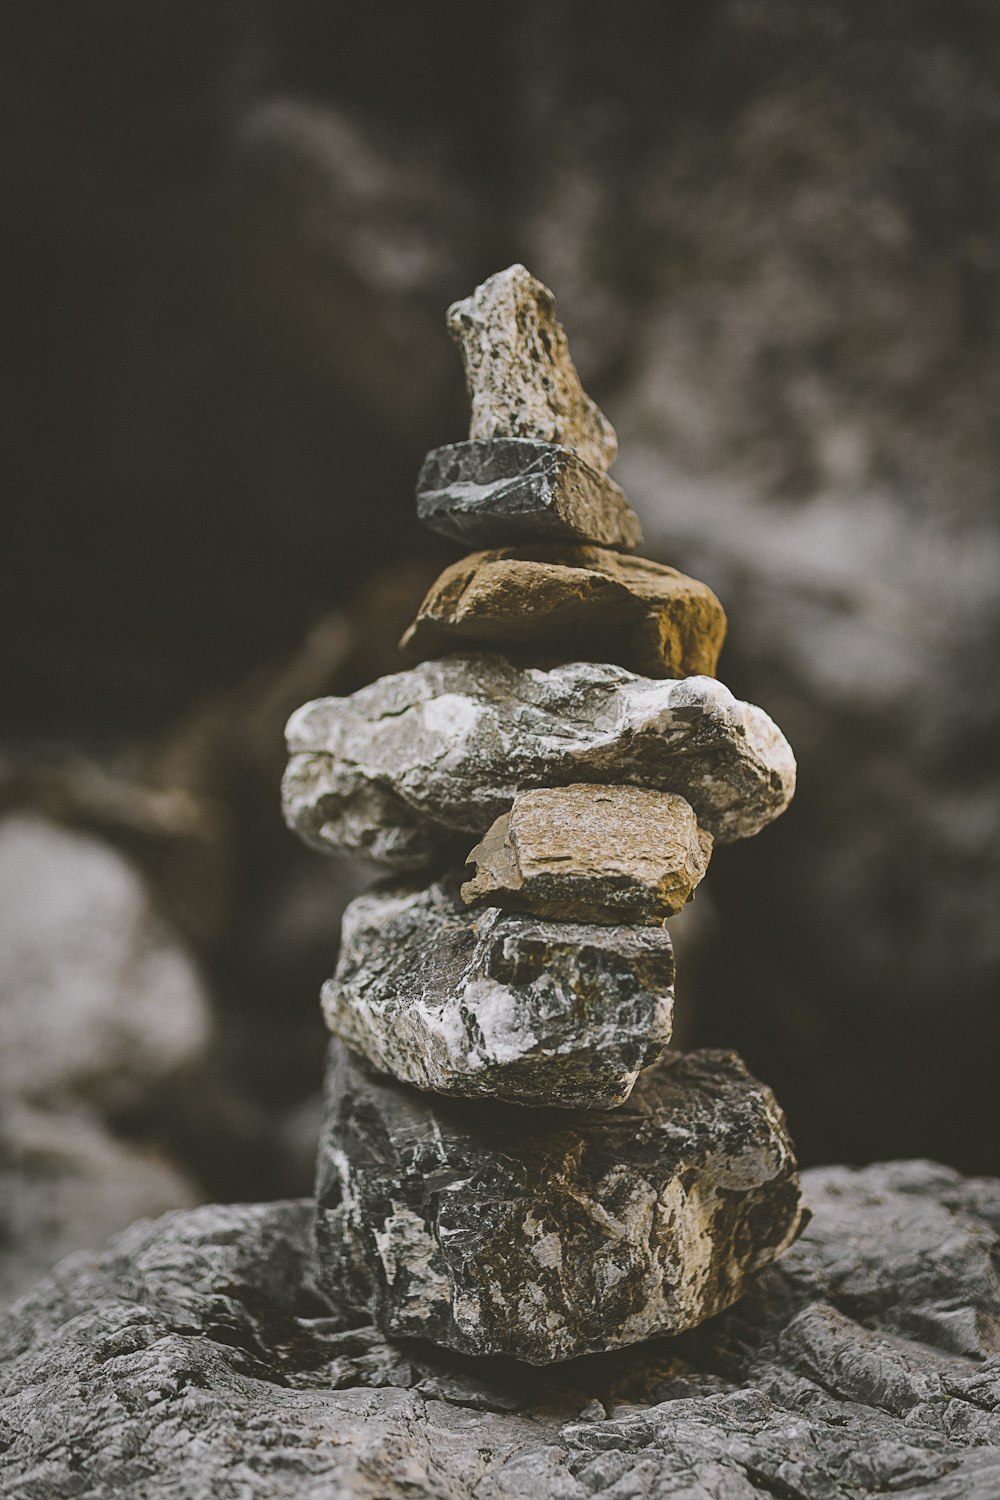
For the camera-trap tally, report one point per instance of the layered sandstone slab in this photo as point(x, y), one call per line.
point(591, 854)
point(499, 1005)
point(497, 1230)
point(518, 490)
point(584, 603)
point(403, 766)
point(522, 380)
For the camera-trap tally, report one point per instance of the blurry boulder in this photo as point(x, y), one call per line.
point(67, 1184)
point(98, 1000)
point(101, 1011)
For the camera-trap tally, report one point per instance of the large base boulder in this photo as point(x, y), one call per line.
point(545, 1235)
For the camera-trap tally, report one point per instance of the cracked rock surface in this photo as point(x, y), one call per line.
point(492, 1229)
point(515, 490)
point(578, 602)
point(591, 854)
point(194, 1358)
point(521, 377)
point(419, 756)
point(498, 1005)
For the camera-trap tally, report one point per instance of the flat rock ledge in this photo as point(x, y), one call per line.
point(495, 1005)
point(195, 1358)
point(514, 490)
point(403, 765)
point(577, 603)
point(491, 1229)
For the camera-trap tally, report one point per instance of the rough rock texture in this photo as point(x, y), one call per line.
point(99, 998)
point(499, 1230)
point(194, 1358)
point(498, 1005)
point(445, 747)
point(577, 602)
point(515, 490)
point(521, 378)
point(591, 854)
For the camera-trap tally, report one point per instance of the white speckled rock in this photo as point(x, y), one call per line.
point(543, 1235)
point(521, 378)
point(501, 1005)
point(403, 764)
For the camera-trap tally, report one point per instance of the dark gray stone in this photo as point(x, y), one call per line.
point(499, 1005)
point(542, 1235)
point(194, 1359)
point(518, 490)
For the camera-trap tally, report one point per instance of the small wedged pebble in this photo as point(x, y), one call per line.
point(591, 854)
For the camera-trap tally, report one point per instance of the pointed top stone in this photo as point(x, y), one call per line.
point(520, 374)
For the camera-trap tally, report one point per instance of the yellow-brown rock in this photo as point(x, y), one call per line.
point(522, 380)
point(578, 603)
point(612, 854)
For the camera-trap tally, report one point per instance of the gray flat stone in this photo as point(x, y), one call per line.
point(401, 767)
point(514, 490)
point(521, 377)
point(194, 1358)
point(498, 1005)
point(498, 1230)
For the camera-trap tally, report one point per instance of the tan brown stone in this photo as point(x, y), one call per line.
point(580, 603)
point(521, 378)
point(613, 854)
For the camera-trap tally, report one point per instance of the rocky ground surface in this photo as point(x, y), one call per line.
point(195, 1357)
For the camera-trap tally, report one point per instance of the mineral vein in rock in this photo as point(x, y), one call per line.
point(503, 1006)
point(443, 749)
point(492, 1229)
point(521, 377)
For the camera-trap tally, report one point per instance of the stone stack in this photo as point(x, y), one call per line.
point(512, 1163)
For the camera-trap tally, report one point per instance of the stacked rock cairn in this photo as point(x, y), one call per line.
point(512, 1163)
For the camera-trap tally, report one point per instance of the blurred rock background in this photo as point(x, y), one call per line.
point(230, 234)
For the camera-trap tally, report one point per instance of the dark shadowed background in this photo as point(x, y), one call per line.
point(230, 232)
